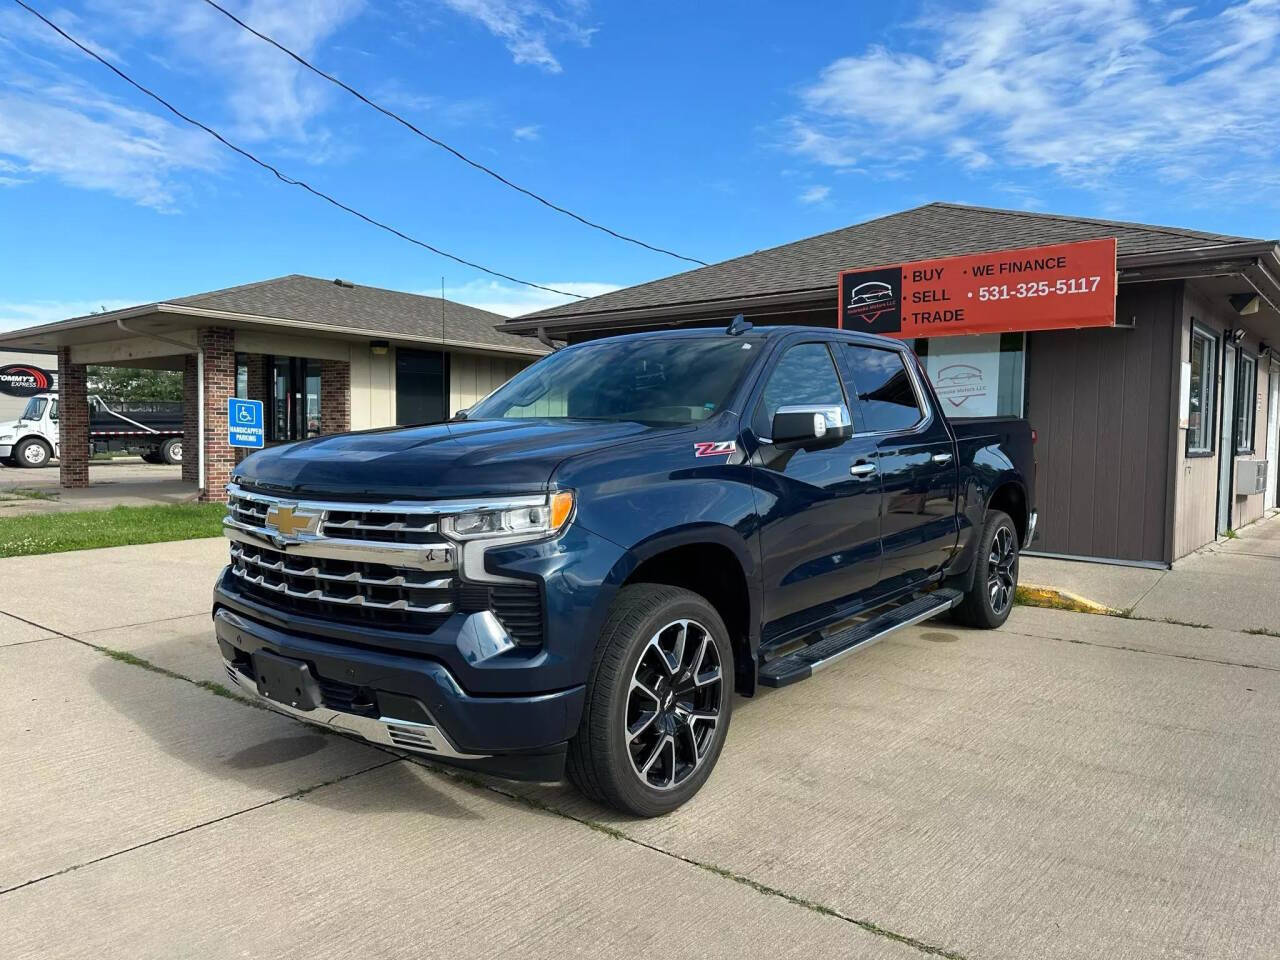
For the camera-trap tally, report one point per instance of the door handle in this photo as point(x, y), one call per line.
point(862, 469)
point(942, 458)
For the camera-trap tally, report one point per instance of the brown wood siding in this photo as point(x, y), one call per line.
point(1101, 401)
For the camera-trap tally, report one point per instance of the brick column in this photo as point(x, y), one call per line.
point(335, 396)
point(190, 421)
point(219, 346)
point(73, 422)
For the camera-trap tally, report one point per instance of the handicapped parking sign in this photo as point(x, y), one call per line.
point(244, 423)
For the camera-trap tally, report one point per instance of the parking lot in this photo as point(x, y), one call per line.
point(1070, 786)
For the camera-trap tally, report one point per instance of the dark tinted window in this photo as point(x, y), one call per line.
point(885, 392)
point(653, 380)
point(804, 376)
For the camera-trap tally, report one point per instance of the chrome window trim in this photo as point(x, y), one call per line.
point(926, 418)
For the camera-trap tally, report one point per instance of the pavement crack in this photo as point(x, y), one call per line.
point(1154, 653)
point(301, 792)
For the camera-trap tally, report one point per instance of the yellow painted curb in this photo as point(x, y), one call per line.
point(1031, 595)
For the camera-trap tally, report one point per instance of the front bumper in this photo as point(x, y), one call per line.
point(410, 703)
point(6, 451)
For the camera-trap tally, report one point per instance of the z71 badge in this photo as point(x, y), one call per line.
point(715, 448)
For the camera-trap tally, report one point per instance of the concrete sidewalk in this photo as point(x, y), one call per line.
point(1233, 584)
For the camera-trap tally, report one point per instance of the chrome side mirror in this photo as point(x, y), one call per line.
point(804, 425)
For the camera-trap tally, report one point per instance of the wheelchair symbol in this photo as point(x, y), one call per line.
point(244, 414)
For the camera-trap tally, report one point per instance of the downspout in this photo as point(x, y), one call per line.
point(199, 391)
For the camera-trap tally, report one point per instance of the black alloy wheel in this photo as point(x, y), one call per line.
point(1002, 575)
point(673, 705)
point(989, 599)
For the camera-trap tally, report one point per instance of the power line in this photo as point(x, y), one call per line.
point(444, 146)
point(283, 178)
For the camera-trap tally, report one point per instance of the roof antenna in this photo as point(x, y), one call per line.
point(546, 341)
point(738, 326)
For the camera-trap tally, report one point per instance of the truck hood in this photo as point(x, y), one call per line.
point(460, 459)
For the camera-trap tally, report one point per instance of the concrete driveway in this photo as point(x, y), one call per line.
point(1068, 787)
point(125, 481)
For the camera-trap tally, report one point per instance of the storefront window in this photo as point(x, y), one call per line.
point(242, 377)
point(1204, 388)
point(977, 376)
point(1246, 402)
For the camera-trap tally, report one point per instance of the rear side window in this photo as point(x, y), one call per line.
point(885, 392)
point(805, 376)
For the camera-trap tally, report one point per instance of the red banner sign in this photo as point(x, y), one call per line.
point(1056, 287)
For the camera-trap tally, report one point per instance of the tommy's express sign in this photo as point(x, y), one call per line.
point(1035, 288)
point(22, 380)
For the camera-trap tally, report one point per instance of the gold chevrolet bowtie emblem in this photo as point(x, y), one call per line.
point(288, 522)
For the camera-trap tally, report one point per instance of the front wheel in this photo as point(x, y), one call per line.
point(658, 702)
point(171, 451)
point(32, 453)
point(995, 581)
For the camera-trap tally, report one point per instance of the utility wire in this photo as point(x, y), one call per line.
point(444, 146)
point(283, 178)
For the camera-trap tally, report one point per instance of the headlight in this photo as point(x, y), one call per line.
point(526, 522)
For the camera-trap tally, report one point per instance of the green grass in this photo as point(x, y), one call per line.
point(119, 526)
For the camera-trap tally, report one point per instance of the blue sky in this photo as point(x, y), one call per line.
point(710, 129)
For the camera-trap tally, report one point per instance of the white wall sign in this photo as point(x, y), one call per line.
point(1184, 397)
point(965, 371)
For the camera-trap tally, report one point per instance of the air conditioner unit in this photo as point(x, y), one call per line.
point(1251, 477)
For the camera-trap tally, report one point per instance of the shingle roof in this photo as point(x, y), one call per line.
point(388, 312)
point(923, 233)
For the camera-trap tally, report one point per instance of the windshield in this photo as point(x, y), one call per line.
point(34, 409)
point(665, 381)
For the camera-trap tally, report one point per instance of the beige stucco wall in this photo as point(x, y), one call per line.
point(472, 376)
point(373, 388)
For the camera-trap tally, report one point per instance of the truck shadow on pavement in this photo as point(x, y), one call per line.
point(223, 739)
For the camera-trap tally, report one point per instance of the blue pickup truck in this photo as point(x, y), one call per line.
point(576, 575)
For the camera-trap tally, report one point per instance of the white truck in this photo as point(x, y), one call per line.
point(153, 430)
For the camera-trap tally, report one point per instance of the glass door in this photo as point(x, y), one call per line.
point(295, 399)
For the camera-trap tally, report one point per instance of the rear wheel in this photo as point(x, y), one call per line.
point(658, 702)
point(171, 450)
point(995, 582)
point(32, 453)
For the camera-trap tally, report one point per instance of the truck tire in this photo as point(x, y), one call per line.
point(152, 456)
point(658, 701)
point(171, 450)
point(32, 453)
point(995, 581)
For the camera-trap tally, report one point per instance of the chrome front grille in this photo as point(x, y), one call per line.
point(379, 564)
point(341, 581)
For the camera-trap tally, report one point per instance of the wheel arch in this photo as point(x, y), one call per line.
point(712, 562)
point(1011, 497)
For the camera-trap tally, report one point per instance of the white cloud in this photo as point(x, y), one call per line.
point(815, 194)
point(1084, 88)
point(530, 27)
point(15, 316)
point(512, 301)
point(529, 132)
point(93, 142)
point(97, 134)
